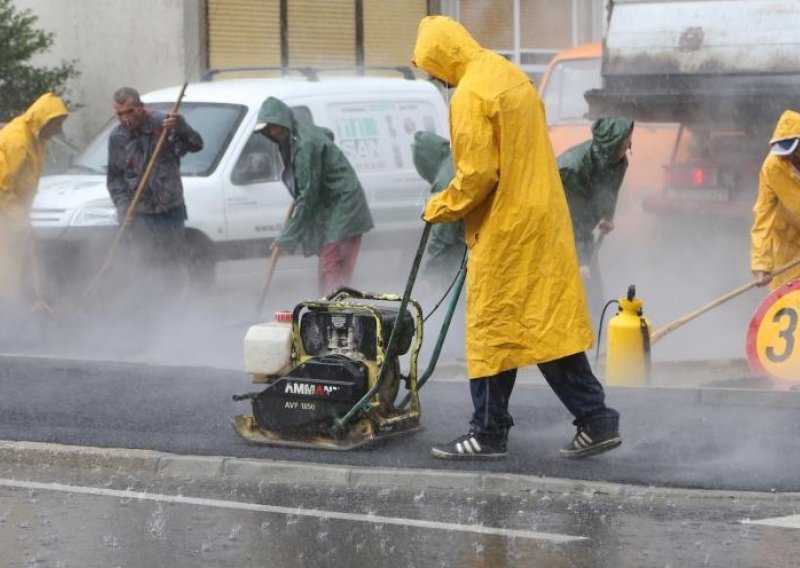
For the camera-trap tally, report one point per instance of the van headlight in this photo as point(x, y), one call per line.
point(96, 213)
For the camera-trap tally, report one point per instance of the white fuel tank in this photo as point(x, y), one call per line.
point(268, 348)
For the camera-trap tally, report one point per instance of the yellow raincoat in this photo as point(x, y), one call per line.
point(22, 154)
point(775, 235)
point(525, 300)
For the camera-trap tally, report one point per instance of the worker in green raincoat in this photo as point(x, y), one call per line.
point(592, 173)
point(525, 301)
point(23, 147)
point(330, 207)
point(446, 244)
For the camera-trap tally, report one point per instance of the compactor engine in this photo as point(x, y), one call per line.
point(330, 380)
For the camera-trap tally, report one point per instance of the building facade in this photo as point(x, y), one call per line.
point(381, 32)
point(149, 44)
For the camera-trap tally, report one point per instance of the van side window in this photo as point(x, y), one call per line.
point(377, 136)
point(258, 163)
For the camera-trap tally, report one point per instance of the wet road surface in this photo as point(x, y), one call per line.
point(671, 437)
point(60, 517)
point(54, 516)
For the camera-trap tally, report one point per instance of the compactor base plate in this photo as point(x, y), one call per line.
point(358, 434)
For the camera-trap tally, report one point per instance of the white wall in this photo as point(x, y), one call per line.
point(145, 44)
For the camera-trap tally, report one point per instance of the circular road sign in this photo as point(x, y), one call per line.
point(773, 338)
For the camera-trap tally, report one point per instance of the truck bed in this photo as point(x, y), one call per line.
point(724, 62)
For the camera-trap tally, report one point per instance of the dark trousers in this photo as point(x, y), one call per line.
point(155, 243)
point(158, 238)
point(490, 396)
point(571, 378)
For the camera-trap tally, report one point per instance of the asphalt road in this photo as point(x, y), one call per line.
point(672, 437)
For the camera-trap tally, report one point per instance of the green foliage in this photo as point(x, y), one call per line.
point(20, 82)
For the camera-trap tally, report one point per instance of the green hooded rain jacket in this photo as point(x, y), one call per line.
point(330, 204)
point(592, 179)
point(434, 163)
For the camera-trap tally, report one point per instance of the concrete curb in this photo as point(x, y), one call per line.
point(353, 477)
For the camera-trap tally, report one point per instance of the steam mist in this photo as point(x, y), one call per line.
point(131, 318)
point(679, 265)
point(675, 267)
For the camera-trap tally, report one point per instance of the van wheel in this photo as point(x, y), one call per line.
point(198, 262)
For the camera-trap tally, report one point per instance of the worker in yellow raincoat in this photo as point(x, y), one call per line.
point(775, 235)
point(525, 300)
point(23, 144)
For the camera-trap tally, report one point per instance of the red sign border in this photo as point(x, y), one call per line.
point(755, 322)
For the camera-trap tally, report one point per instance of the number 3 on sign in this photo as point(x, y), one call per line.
point(772, 335)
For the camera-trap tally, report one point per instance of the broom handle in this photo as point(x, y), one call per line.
point(661, 332)
point(136, 196)
point(273, 261)
point(35, 282)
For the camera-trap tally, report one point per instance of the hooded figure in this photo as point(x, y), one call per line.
point(775, 235)
point(592, 173)
point(525, 301)
point(434, 163)
point(330, 207)
point(23, 146)
point(22, 153)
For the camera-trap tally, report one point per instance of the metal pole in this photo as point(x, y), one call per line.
point(393, 337)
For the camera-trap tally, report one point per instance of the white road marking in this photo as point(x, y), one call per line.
point(254, 507)
point(788, 522)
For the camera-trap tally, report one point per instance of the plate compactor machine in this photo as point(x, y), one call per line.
point(332, 368)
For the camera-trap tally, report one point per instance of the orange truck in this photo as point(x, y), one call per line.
point(569, 75)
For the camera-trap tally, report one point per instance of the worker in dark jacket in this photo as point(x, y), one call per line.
point(592, 173)
point(330, 207)
point(446, 245)
point(157, 221)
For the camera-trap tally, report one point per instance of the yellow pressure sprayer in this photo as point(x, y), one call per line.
point(628, 351)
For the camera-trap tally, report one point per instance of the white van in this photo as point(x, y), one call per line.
point(234, 195)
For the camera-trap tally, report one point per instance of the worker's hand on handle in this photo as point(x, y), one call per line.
point(762, 277)
point(605, 226)
point(171, 121)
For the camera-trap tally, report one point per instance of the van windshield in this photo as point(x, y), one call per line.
point(563, 94)
point(216, 123)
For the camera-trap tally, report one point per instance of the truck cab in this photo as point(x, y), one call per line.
point(712, 174)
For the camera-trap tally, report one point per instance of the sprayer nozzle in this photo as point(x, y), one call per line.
point(631, 292)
